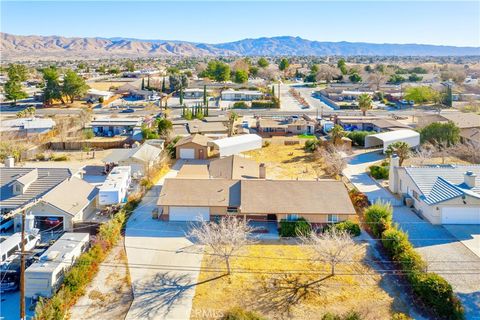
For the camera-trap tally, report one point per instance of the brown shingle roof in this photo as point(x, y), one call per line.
point(233, 167)
point(196, 138)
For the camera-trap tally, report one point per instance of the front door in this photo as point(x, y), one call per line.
point(201, 154)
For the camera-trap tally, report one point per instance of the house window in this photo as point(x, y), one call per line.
point(299, 128)
point(232, 209)
point(415, 194)
point(17, 188)
point(292, 217)
point(332, 218)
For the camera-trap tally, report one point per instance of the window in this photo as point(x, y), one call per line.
point(17, 188)
point(332, 218)
point(415, 194)
point(292, 217)
point(232, 209)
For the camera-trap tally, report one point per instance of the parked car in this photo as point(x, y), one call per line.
point(129, 110)
point(52, 221)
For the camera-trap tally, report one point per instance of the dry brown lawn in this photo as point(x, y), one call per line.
point(434, 160)
point(287, 162)
point(105, 85)
point(300, 295)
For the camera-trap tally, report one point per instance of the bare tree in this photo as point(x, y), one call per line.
point(332, 161)
point(333, 246)
point(327, 73)
point(467, 151)
point(425, 153)
point(226, 238)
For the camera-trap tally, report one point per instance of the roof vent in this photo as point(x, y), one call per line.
point(469, 179)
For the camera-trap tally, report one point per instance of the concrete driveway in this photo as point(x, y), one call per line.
point(162, 267)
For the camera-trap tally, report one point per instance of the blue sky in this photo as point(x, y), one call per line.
point(428, 22)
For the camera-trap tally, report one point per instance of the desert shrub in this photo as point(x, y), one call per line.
point(359, 199)
point(88, 134)
point(351, 227)
point(240, 314)
point(351, 315)
point(437, 294)
point(62, 157)
point(358, 137)
point(240, 105)
point(294, 228)
point(379, 172)
point(40, 156)
point(311, 145)
point(400, 316)
point(379, 217)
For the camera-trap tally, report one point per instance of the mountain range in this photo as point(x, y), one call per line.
point(56, 47)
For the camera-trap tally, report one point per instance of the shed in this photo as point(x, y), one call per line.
point(193, 147)
point(385, 139)
point(237, 144)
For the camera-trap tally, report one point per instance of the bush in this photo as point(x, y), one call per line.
point(40, 157)
point(311, 145)
point(62, 157)
point(351, 227)
point(411, 262)
point(395, 241)
point(400, 316)
point(240, 105)
point(240, 314)
point(294, 228)
point(437, 294)
point(379, 217)
point(379, 172)
point(265, 104)
point(352, 315)
point(88, 134)
point(359, 199)
point(358, 137)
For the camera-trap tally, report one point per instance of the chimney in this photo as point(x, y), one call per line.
point(393, 175)
point(9, 162)
point(262, 171)
point(469, 179)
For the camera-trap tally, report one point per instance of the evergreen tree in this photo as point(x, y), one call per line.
point(205, 94)
point(181, 96)
point(148, 83)
point(273, 90)
point(164, 89)
point(143, 83)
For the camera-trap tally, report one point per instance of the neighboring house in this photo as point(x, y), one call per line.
point(194, 147)
point(468, 122)
point(194, 93)
point(140, 159)
point(141, 73)
point(115, 188)
point(118, 126)
point(446, 194)
point(213, 127)
point(368, 123)
point(289, 126)
point(232, 167)
point(27, 126)
point(320, 202)
point(94, 95)
point(241, 95)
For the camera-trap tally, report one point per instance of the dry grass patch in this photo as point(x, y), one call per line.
point(287, 161)
point(434, 160)
point(106, 85)
point(282, 282)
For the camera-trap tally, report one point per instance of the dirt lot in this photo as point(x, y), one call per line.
point(258, 283)
point(105, 85)
point(287, 162)
point(109, 295)
point(434, 160)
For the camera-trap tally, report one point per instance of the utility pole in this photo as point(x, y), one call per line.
point(22, 271)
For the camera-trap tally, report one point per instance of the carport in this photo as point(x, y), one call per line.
point(237, 144)
point(384, 139)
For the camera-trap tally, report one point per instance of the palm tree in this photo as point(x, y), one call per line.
point(164, 126)
point(365, 102)
point(401, 149)
point(337, 133)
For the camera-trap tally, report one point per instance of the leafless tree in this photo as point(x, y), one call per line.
point(327, 73)
point(425, 153)
point(333, 246)
point(226, 238)
point(467, 151)
point(332, 161)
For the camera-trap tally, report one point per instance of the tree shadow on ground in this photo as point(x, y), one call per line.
point(165, 291)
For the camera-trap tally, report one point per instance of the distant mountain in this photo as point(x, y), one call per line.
point(46, 47)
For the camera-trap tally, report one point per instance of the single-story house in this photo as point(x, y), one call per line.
point(194, 93)
point(241, 95)
point(209, 128)
point(320, 202)
point(446, 194)
point(94, 95)
point(194, 147)
point(237, 144)
point(385, 139)
point(140, 159)
point(27, 126)
point(369, 123)
point(117, 126)
point(293, 126)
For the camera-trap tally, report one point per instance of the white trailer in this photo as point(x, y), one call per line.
point(114, 189)
point(237, 144)
point(43, 278)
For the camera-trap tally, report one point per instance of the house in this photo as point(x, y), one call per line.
point(384, 139)
point(231, 167)
point(258, 199)
point(194, 147)
point(194, 93)
point(110, 127)
point(237, 144)
point(446, 194)
point(369, 123)
point(95, 95)
point(288, 126)
point(27, 126)
point(213, 127)
point(140, 159)
point(241, 95)
point(44, 277)
point(114, 189)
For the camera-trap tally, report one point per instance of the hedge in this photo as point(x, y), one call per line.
point(433, 290)
point(351, 227)
point(379, 172)
point(294, 228)
point(265, 104)
point(358, 137)
point(86, 267)
point(240, 105)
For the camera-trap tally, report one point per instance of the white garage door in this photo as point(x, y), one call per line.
point(460, 215)
point(189, 213)
point(187, 153)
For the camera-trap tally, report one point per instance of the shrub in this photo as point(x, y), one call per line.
point(88, 134)
point(240, 314)
point(359, 199)
point(351, 315)
point(379, 172)
point(240, 105)
point(400, 316)
point(437, 294)
point(395, 241)
point(351, 227)
point(62, 157)
point(358, 137)
point(294, 228)
point(40, 156)
point(411, 262)
point(264, 104)
point(311, 145)
point(379, 217)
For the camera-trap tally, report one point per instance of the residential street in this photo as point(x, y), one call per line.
point(161, 275)
point(447, 253)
